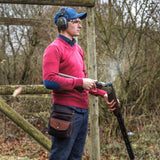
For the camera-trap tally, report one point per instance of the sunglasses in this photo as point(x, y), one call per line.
point(75, 21)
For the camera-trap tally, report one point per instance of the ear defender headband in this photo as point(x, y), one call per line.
point(62, 22)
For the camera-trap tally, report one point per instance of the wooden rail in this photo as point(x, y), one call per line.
point(20, 21)
point(85, 3)
point(26, 89)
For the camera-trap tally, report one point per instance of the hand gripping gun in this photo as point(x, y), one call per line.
point(112, 95)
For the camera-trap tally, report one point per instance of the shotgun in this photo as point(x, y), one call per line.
point(112, 95)
point(108, 87)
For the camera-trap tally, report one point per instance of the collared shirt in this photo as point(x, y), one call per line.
point(70, 42)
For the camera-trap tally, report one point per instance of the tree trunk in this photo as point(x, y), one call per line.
point(25, 125)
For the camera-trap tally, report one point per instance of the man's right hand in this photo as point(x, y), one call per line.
point(89, 84)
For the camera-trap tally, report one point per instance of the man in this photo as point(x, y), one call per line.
point(63, 55)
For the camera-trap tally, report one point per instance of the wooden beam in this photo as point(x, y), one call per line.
point(20, 21)
point(26, 89)
point(25, 125)
point(85, 3)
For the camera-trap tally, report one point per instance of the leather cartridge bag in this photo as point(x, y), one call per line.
point(61, 122)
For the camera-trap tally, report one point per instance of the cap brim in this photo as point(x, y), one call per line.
point(81, 15)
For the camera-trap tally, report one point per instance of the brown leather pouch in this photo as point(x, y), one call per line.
point(61, 123)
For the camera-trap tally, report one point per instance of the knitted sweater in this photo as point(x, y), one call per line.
point(61, 57)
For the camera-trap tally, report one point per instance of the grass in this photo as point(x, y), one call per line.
point(21, 148)
point(145, 140)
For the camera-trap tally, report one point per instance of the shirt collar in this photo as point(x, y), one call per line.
point(70, 42)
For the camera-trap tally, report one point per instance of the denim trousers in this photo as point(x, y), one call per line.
point(71, 148)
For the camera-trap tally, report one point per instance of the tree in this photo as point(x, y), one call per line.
point(23, 45)
point(126, 32)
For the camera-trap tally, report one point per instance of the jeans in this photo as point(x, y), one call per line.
point(71, 148)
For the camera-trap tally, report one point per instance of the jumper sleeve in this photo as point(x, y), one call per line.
point(51, 79)
point(97, 92)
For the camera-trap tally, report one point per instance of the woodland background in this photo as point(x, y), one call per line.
point(128, 54)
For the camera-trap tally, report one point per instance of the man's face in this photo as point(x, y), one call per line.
point(74, 27)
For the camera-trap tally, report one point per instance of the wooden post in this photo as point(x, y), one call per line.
point(25, 125)
point(92, 73)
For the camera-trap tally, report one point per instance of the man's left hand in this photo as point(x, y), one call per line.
point(110, 104)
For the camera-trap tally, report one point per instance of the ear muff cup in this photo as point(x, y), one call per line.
point(62, 23)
